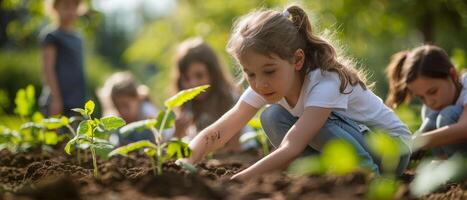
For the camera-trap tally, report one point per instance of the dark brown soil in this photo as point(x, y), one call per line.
point(57, 176)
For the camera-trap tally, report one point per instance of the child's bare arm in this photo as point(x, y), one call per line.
point(49, 53)
point(452, 134)
point(296, 140)
point(217, 134)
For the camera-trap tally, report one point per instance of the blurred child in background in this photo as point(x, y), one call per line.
point(427, 73)
point(197, 64)
point(122, 96)
point(62, 53)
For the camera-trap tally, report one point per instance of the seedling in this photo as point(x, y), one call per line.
point(161, 151)
point(89, 128)
point(35, 130)
point(258, 135)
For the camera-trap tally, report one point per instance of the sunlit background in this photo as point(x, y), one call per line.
point(140, 36)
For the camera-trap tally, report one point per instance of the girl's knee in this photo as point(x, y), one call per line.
point(272, 115)
point(449, 115)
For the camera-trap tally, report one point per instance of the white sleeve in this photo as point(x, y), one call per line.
point(326, 94)
point(252, 98)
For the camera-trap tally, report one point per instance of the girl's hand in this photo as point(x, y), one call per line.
point(55, 107)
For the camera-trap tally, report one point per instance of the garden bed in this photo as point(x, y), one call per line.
point(58, 176)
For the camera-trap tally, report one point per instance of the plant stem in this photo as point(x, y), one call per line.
point(153, 164)
point(93, 152)
point(166, 115)
point(71, 130)
point(79, 156)
point(94, 162)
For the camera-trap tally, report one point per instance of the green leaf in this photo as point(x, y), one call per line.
point(64, 120)
point(383, 188)
point(255, 123)
point(89, 107)
point(339, 157)
point(124, 150)
point(81, 111)
point(150, 152)
point(37, 117)
point(307, 166)
point(85, 128)
point(385, 147)
point(51, 138)
point(138, 126)
point(53, 123)
point(177, 149)
point(184, 96)
point(103, 149)
point(31, 125)
point(25, 101)
point(169, 122)
point(111, 123)
point(69, 144)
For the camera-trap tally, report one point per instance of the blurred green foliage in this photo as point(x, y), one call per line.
point(369, 31)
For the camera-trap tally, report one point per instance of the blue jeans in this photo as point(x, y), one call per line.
point(277, 121)
point(447, 116)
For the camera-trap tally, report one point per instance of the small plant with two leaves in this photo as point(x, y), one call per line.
point(92, 134)
point(161, 151)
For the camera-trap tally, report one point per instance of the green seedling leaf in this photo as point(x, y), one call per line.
point(432, 174)
point(25, 101)
point(385, 147)
point(255, 123)
point(111, 123)
point(307, 166)
point(53, 123)
point(339, 157)
point(85, 128)
point(37, 117)
point(89, 107)
point(138, 126)
point(124, 150)
point(31, 125)
point(150, 152)
point(251, 135)
point(177, 149)
point(69, 144)
point(184, 96)
point(51, 138)
point(81, 111)
point(169, 122)
point(382, 188)
point(80, 141)
point(103, 149)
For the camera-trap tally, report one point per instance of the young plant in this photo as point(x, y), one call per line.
point(34, 130)
point(89, 129)
point(337, 157)
point(161, 151)
point(258, 135)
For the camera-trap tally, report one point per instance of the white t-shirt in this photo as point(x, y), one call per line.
point(461, 100)
point(321, 89)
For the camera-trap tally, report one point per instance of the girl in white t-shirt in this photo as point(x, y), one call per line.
point(426, 72)
point(318, 96)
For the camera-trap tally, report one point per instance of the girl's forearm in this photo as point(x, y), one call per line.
point(452, 134)
point(219, 133)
